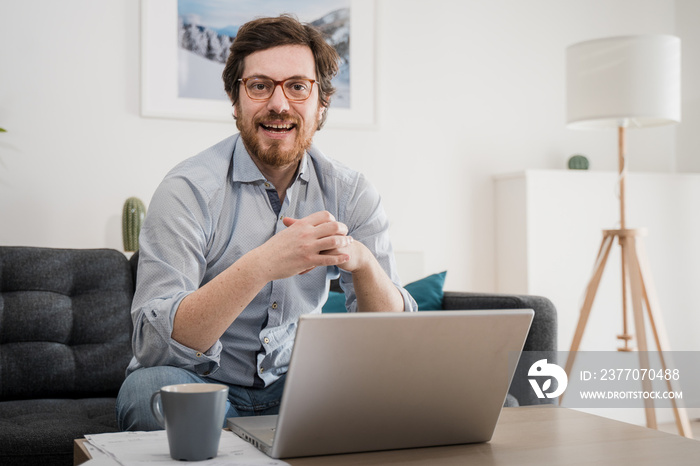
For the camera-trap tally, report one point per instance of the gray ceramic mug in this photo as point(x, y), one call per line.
point(193, 416)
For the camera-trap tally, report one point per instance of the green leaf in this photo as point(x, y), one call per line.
point(3, 130)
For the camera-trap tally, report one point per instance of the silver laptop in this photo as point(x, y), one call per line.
point(381, 381)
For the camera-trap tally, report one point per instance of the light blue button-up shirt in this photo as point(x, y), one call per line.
point(209, 211)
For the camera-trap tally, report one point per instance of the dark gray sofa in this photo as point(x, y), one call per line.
point(65, 341)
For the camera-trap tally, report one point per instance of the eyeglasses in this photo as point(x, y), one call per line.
point(294, 89)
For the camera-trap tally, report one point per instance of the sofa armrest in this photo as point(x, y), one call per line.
point(541, 341)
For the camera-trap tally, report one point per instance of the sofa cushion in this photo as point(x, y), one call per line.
point(65, 326)
point(42, 431)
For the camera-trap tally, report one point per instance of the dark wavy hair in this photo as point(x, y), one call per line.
point(265, 33)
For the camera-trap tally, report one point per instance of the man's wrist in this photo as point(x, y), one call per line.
point(360, 259)
point(257, 266)
point(367, 264)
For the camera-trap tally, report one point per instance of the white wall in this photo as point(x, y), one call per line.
point(688, 142)
point(77, 146)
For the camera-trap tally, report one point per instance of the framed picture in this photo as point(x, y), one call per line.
point(181, 74)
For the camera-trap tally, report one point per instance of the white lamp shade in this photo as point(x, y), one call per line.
point(624, 81)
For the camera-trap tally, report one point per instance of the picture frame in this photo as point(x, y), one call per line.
point(159, 68)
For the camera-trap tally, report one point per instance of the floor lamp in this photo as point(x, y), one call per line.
point(621, 83)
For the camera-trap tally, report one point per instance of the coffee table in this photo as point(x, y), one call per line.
point(532, 436)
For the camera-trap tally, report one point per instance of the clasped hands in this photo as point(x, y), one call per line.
point(317, 240)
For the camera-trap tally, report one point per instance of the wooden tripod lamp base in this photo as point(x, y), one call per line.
point(637, 285)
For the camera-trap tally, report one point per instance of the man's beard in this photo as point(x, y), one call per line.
point(274, 155)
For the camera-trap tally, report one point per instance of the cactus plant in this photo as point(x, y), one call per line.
point(132, 218)
point(578, 162)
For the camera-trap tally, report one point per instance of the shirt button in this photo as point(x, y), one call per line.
point(266, 340)
point(274, 305)
point(267, 185)
point(262, 370)
point(199, 355)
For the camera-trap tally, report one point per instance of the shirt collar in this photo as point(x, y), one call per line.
point(304, 167)
point(245, 170)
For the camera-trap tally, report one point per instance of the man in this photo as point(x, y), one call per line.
point(243, 238)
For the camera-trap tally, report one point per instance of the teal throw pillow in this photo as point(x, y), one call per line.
point(335, 303)
point(427, 292)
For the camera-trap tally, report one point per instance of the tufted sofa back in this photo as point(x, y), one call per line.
point(65, 325)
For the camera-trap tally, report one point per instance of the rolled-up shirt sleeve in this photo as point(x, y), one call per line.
point(171, 265)
point(368, 223)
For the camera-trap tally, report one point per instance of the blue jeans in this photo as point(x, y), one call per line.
point(134, 399)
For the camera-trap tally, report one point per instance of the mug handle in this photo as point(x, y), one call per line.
point(157, 408)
